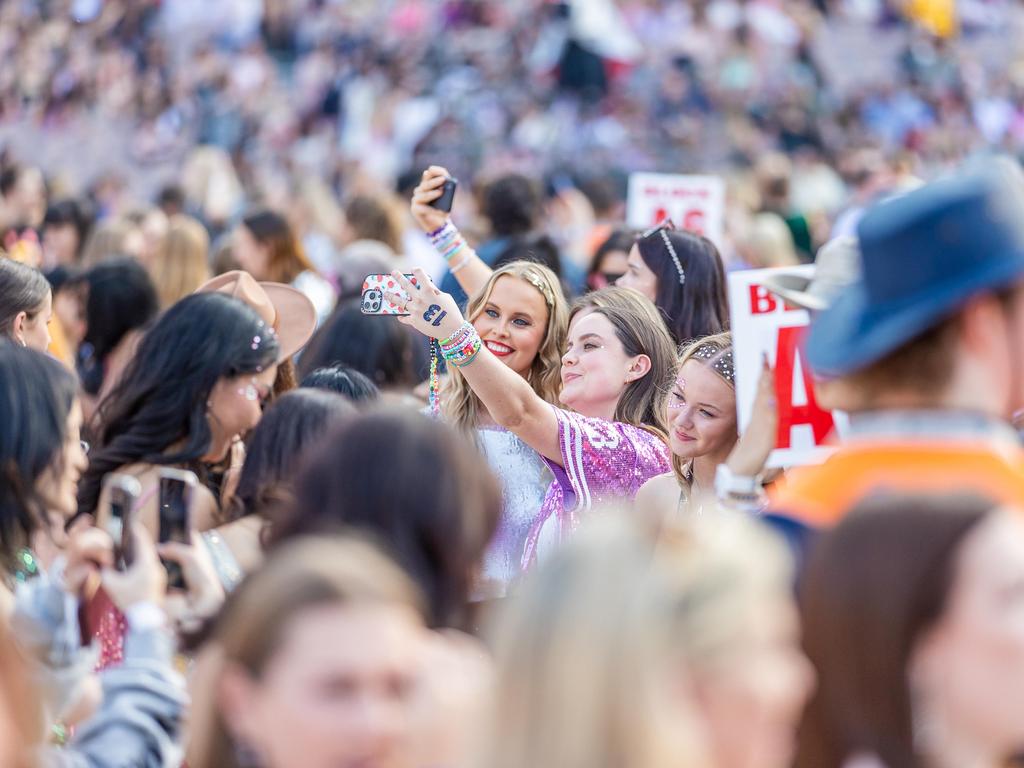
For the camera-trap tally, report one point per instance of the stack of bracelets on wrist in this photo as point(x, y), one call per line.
point(449, 243)
point(461, 347)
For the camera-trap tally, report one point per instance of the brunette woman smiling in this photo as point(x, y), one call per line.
point(616, 368)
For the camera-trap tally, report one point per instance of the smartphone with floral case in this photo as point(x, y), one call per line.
point(373, 301)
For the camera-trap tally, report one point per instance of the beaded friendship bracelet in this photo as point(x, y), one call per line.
point(448, 241)
point(461, 347)
point(457, 339)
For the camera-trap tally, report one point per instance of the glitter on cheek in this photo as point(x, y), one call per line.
point(249, 392)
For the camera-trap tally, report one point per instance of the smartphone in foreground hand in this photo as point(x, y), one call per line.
point(373, 301)
point(123, 492)
point(177, 488)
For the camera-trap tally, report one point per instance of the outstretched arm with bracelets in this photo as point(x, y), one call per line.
point(468, 268)
point(508, 397)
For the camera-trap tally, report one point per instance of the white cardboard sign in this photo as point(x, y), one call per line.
point(763, 324)
point(695, 203)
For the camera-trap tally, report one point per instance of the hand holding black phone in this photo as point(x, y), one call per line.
point(447, 198)
point(123, 492)
point(177, 488)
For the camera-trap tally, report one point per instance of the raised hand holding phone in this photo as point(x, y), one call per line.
point(432, 199)
point(204, 595)
point(123, 492)
point(427, 308)
point(377, 288)
point(145, 581)
point(177, 490)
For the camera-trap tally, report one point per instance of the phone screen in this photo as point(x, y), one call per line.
point(119, 526)
point(175, 498)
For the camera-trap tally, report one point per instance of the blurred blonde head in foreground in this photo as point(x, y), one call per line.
point(626, 649)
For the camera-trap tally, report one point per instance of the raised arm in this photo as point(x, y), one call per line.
point(468, 268)
point(508, 397)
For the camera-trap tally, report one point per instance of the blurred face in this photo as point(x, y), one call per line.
point(343, 703)
point(638, 275)
point(513, 322)
point(33, 330)
point(69, 305)
point(153, 230)
point(236, 404)
point(763, 685)
point(249, 253)
point(58, 485)
point(701, 413)
point(30, 195)
point(60, 244)
point(596, 368)
point(612, 268)
point(969, 669)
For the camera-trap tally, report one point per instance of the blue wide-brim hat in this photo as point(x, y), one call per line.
point(923, 256)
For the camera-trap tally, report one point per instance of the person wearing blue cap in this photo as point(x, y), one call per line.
point(931, 337)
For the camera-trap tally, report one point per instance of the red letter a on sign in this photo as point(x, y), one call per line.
point(790, 414)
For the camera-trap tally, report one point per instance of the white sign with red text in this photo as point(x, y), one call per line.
point(764, 325)
point(695, 203)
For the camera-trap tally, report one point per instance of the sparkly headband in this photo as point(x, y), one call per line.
point(663, 229)
point(540, 285)
point(723, 366)
point(675, 257)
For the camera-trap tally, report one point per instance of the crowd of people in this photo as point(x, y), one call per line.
point(299, 469)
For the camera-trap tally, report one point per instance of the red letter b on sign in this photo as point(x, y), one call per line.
point(762, 301)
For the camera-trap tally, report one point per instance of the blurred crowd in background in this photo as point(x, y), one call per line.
point(302, 106)
point(246, 523)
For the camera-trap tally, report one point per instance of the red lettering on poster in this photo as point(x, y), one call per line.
point(762, 301)
point(694, 221)
point(789, 346)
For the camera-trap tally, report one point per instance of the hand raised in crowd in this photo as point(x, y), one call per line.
point(758, 441)
point(432, 312)
point(429, 218)
point(204, 594)
point(144, 581)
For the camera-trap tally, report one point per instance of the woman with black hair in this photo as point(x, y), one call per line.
point(118, 301)
point(41, 455)
point(377, 347)
point(45, 670)
point(296, 421)
point(348, 382)
point(66, 227)
point(197, 382)
point(611, 259)
point(683, 274)
point(195, 385)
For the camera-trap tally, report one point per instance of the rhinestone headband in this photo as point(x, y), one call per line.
point(675, 257)
point(663, 229)
point(723, 365)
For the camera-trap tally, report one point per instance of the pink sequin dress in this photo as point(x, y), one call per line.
point(602, 461)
